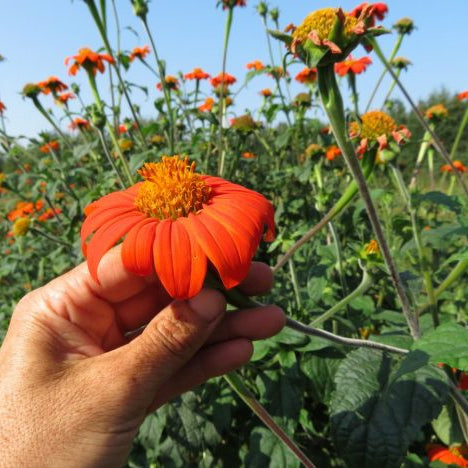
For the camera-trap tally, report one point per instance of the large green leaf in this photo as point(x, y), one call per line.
point(447, 344)
point(266, 450)
point(380, 404)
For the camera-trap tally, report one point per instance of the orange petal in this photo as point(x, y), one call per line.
point(137, 249)
point(219, 247)
point(106, 237)
point(179, 261)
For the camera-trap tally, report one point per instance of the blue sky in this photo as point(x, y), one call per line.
point(36, 36)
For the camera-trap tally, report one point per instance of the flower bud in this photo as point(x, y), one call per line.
point(262, 9)
point(140, 8)
point(31, 90)
point(274, 14)
point(404, 26)
point(21, 226)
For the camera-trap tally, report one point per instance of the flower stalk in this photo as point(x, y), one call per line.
point(333, 105)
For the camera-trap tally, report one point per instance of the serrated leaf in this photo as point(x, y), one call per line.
point(266, 450)
point(447, 344)
point(380, 405)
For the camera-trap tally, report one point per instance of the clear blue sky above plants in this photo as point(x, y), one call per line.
point(36, 36)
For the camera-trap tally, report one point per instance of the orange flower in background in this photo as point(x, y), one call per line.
point(91, 61)
point(49, 146)
point(450, 456)
point(248, 155)
point(178, 223)
point(139, 52)
point(222, 79)
point(197, 74)
point(379, 10)
point(307, 75)
point(63, 98)
point(171, 82)
point(255, 65)
point(52, 85)
point(332, 152)
point(463, 95)
point(207, 105)
point(351, 65)
point(2, 107)
point(232, 3)
point(436, 112)
point(459, 166)
point(48, 214)
point(79, 123)
point(266, 92)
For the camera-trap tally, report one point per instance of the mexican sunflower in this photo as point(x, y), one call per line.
point(352, 65)
point(91, 61)
point(2, 107)
point(197, 74)
point(179, 223)
point(463, 95)
point(52, 85)
point(450, 456)
point(139, 52)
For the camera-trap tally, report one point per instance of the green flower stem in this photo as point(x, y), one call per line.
point(423, 259)
point(63, 178)
point(222, 102)
point(52, 238)
point(363, 286)
point(453, 276)
point(458, 138)
point(41, 109)
point(426, 141)
point(339, 256)
point(97, 19)
point(109, 158)
point(280, 92)
point(292, 272)
point(235, 381)
point(166, 91)
point(396, 47)
point(111, 130)
point(338, 207)
point(392, 87)
point(333, 105)
point(430, 166)
point(436, 140)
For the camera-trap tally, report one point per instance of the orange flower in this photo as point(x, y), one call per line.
point(49, 146)
point(232, 3)
point(378, 11)
point(139, 52)
point(463, 95)
point(222, 78)
point(171, 82)
point(2, 108)
point(207, 105)
point(48, 214)
point(332, 152)
point(63, 98)
point(80, 123)
point(22, 208)
point(266, 92)
point(307, 75)
point(177, 223)
point(125, 127)
point(197, 74)
point(436, 112)
point(89, 60)
point(351, 65)
point(255, 65)
point(248, 155)
point(449, 456)
point(52, 85)
point(459, 166)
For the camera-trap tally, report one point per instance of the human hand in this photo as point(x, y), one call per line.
point(74, 389)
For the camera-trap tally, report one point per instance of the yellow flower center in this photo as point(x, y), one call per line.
point(322, 21)
point(372, 248)
point(171, 189)
point(21, 226)
point(374, 124)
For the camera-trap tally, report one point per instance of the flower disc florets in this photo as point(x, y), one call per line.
point(328, 35)
point(171, 189)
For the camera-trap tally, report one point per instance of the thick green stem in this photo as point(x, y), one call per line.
point(333, 105)
point(436, 140)
point(235, 381)
point(292, 272)
point(396, 47)
point(354, 94)
point(364, 285)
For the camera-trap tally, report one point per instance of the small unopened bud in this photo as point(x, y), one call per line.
point(262, 9)
point(140, 8)
point(274, 14)
point(31, 90)
point(98, 118)
point(404, 26)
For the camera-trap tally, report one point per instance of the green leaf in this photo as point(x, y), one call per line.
point(266, 450)
point(380, 404)
point(439, 198)
point(281, 36)
point(447, 344)
point(447, 427)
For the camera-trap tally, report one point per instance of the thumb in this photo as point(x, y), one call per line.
point(172, 338)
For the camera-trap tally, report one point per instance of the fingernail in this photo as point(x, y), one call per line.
point(208, 304)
